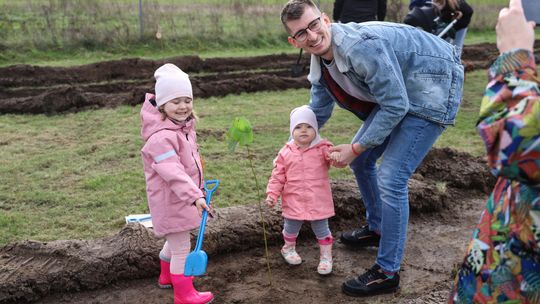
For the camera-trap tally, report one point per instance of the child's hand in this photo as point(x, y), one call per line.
point(201, 205)
point(270, 202)
point(346, 153)
point(335, 156)
point(338, 164)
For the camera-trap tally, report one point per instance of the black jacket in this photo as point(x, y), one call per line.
point(359, 10)
point(466, 10)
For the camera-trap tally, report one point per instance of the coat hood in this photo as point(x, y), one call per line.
point(151, 120)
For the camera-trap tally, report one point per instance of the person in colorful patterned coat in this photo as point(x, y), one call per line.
point(502, 263)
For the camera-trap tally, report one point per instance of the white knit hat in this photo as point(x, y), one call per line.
point(171, 83)
point(304, 114)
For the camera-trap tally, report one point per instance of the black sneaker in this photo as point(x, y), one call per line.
point(372, 282)
point(361, 237)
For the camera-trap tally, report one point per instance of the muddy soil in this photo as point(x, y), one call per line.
point(446, 196)
point(35, 89)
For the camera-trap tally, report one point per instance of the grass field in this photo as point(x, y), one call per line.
point(84, 56)
point(77, 175)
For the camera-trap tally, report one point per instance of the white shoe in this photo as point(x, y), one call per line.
point(290, 255)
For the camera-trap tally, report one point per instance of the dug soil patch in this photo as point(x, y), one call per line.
point(50, 90)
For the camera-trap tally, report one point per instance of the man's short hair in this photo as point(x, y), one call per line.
point(294, 9)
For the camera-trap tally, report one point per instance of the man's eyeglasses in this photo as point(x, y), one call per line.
point(313, 26)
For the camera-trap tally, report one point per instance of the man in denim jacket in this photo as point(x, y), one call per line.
point(406, 85)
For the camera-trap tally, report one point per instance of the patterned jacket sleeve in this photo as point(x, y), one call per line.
point(509, 120)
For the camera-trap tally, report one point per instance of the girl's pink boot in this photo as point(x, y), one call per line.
point(185, 293)
point(325, 263)
point(164, 280)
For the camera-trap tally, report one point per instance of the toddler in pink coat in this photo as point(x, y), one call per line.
point(300, 177)
point(174, 177)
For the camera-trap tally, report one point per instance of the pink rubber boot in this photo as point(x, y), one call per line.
point(185, 293)
point(288, 251)
point(326, 262)
point(164, 280)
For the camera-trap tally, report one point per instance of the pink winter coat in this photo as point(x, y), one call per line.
point(300, 177)
point(173, 171)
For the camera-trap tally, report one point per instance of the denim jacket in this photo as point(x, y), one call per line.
point(404, 70)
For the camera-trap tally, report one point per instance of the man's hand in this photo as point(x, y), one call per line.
point(513, 31)
point(343, 154)
point(201, 205)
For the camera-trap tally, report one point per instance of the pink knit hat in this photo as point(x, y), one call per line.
point(171, 83)
point(304, 114)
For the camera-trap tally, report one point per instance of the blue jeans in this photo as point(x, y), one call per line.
point(384, 189)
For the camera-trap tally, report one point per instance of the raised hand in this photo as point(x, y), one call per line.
point(513, 31)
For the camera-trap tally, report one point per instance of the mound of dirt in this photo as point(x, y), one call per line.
point(456, 169)
point(50, 90)
point(123, 268)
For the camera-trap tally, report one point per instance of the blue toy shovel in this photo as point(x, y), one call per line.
point(197, 260)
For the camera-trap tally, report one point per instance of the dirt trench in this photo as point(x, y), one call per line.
point(123, 268)
point(50, 90)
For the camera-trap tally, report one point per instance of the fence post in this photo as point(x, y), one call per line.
point(141, 21)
